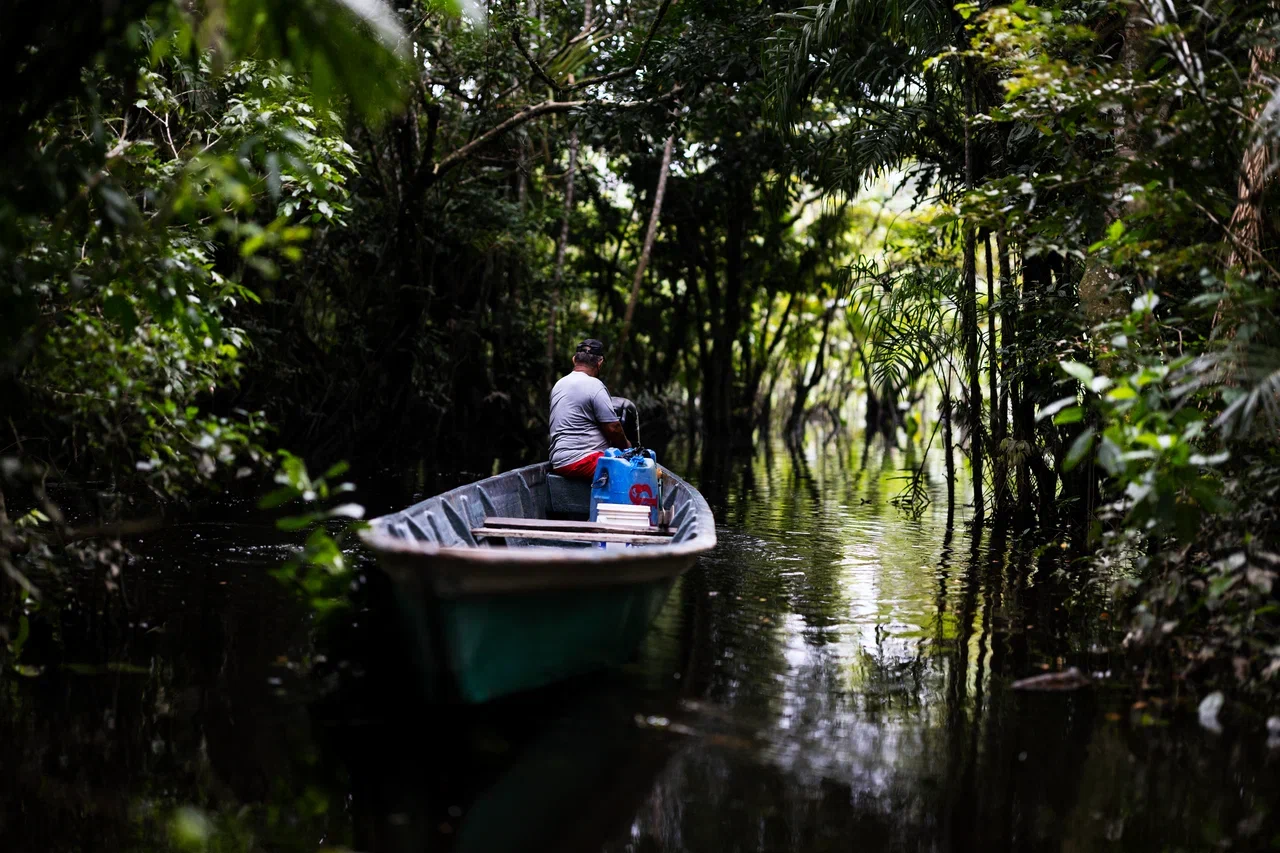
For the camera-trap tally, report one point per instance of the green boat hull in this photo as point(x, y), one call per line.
point(478, 648)
point(485, 616)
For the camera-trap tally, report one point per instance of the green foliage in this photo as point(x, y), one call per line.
point(163, 165)
point(122, 279)
point(1112, 150)
point(916, 326)
point(342, 46)
point(220, 215)
point(190, 829)
point(1152, 436)
point(318, 571)
point(1133, 173)
point(138, 299)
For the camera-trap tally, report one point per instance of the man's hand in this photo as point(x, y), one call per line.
point(614, 435)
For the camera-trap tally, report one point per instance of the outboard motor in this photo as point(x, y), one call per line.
point(630, 417)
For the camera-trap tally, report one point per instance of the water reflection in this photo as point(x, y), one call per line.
point(161, 689)
point(867, 657)
point(835, 676)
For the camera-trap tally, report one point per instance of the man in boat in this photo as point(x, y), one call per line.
point(583, 422)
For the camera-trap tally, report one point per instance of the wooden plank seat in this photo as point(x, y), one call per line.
point(634, 538)
point(548, 525)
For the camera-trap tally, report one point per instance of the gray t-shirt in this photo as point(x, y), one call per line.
point(579, 404)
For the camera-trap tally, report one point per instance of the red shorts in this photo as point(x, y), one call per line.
point(583, 469)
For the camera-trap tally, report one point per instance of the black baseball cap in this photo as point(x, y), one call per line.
point(591, 346)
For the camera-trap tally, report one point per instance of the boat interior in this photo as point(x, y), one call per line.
point(533, 507)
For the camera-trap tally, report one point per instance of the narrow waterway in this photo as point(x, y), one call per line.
point(835, 676)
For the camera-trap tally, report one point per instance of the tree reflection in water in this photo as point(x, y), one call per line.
point(867, 660)
point(836, 675)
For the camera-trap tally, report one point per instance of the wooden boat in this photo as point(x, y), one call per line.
point(502, 585)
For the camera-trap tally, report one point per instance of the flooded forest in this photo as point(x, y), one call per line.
point(948, 329)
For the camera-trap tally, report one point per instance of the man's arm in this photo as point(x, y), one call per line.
point(614, 435)
point(607, 419)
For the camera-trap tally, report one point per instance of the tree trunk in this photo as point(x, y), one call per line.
point(1101, 296)
point(691, 397)
point(755, 403)
point(1037, 382)
point(561, 245)
point(998, 473)
point(1023, 407)
point(764, 419)
point(647, 251)
point(969, 302)
point(563, 242)
point(1008, 365)
point(948, 445)
point(795, 420)
point(1245, 228)
point(725, 312)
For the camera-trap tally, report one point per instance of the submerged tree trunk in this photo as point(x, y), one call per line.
point(647, 251)
point(795, 420)
point(998, 473)
point(1036, 387)
point(969, 308)
point(691, 399)
point(1008, 369)
point(948, 444)
point(1023, 406)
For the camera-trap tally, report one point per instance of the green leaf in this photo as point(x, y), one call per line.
point(1109, 456)
point(250, 246)
point(1219, 586)
point(278, 497)
point(319, 539)
point(1081, 372)
point(337, 470)
point(1073, 415)
point(1055, 407)
point(356, 47)
point(1207, 494)
point(1156, 440)
point(1079, 449)
point(24, 631)
point(324, 606)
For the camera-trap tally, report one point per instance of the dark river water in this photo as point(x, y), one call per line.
point(834, 677)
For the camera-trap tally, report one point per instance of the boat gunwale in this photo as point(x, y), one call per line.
point(703, 539)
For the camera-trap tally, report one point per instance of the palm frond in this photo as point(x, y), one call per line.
point(866, 45)
point(1246, 376)
point(916, 325)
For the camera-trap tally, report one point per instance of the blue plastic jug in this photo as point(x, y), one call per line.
point(626, 477)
